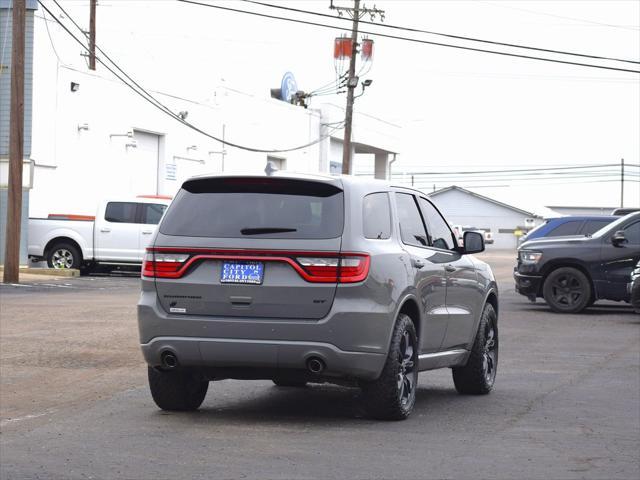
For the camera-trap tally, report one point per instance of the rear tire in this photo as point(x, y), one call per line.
point(63, 255)
point(289, 383)
point(177, 390)
point(567, 290)
point(393, 395)
point(479, 374)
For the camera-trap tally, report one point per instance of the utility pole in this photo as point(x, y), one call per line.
point(16, 145)
point(352, 80)
point(621, 182)
point(352, 83)
point(92, 34)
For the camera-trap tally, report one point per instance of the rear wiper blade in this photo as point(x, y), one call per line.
point(258, 231)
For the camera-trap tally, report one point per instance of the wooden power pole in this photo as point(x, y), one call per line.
point(16, 146)
point(352, 80)
point(352, 83)
point(92, 34)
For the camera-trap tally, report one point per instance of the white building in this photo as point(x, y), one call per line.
point(466, 208)
point(92, 137)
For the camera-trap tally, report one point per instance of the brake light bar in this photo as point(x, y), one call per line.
point(314, 267)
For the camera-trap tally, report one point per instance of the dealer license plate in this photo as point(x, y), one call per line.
point(242, 272)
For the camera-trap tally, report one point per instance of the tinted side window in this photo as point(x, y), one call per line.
point(376, 216)
point(438, 229)
point(411, 227)
point(632, 233)
point(592, 226)
point(121, 212)
point(568, 228)
point(152, 213)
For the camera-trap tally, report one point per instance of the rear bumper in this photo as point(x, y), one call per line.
point(351, 344)
point(263, 355)
point(527, 285)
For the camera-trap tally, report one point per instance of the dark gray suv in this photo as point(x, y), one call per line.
point(313, 279)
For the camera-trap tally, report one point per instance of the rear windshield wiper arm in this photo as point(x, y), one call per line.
point(259, 231)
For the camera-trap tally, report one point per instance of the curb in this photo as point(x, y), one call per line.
point(55, 272)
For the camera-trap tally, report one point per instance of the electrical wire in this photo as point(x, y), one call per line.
point(446, 35)
point(597, 165)
point(6, 35)
point(414, 40)
point(156, 103)
point(331, 84)
point(46, 24)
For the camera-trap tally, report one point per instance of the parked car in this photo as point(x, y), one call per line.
point(118, 234)
point(634, 288)
point(459, 230)
point(571, 273)
point(624, 211)
point(566, 226)
point(313, 279)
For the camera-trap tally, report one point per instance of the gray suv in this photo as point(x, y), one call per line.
point(313, 279)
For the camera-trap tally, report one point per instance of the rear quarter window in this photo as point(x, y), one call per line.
point(376, 216)
point(254, 207)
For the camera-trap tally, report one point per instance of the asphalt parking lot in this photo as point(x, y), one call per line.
point(74, 402)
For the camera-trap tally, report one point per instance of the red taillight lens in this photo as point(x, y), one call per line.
point(164, 265)
point(348, 268)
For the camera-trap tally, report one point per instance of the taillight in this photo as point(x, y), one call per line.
point(163, 265)
point(315, 267)
point(350, 268)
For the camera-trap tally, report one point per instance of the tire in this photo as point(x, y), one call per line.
point(63, 255)
point(567, 290)
point(289, 383)
point(478, 376)
point(393, 395)
point(177, 390)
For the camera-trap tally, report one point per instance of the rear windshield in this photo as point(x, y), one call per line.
point(255, 208)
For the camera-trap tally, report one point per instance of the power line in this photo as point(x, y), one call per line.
point(414, 40)
point(159, 105)
point(598, 165)
point(429, 185)
point(447, 35)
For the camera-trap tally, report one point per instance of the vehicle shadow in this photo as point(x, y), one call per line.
point(594, 310)
point(313, 405)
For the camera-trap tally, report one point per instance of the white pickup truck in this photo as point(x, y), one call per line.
point(118, 234)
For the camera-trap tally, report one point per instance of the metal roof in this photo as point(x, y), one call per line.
point(482, 197)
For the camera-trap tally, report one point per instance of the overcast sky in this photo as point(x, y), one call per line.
point(459, 110)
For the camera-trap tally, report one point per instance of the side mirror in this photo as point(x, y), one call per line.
point(473, 242)
point(619, 238)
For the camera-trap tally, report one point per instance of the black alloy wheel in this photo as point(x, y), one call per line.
point(392, 395)
point(407, 369)
point(567, 290)
point(478, 376)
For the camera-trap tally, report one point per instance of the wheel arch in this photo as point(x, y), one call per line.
point(492, 298)
point(50, 244)
point(410, 308)
point(571, 263)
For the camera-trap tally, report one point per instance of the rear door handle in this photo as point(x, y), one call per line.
point(105, 230)
point(417, 263)
point(146, 232)
point(450, 268)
